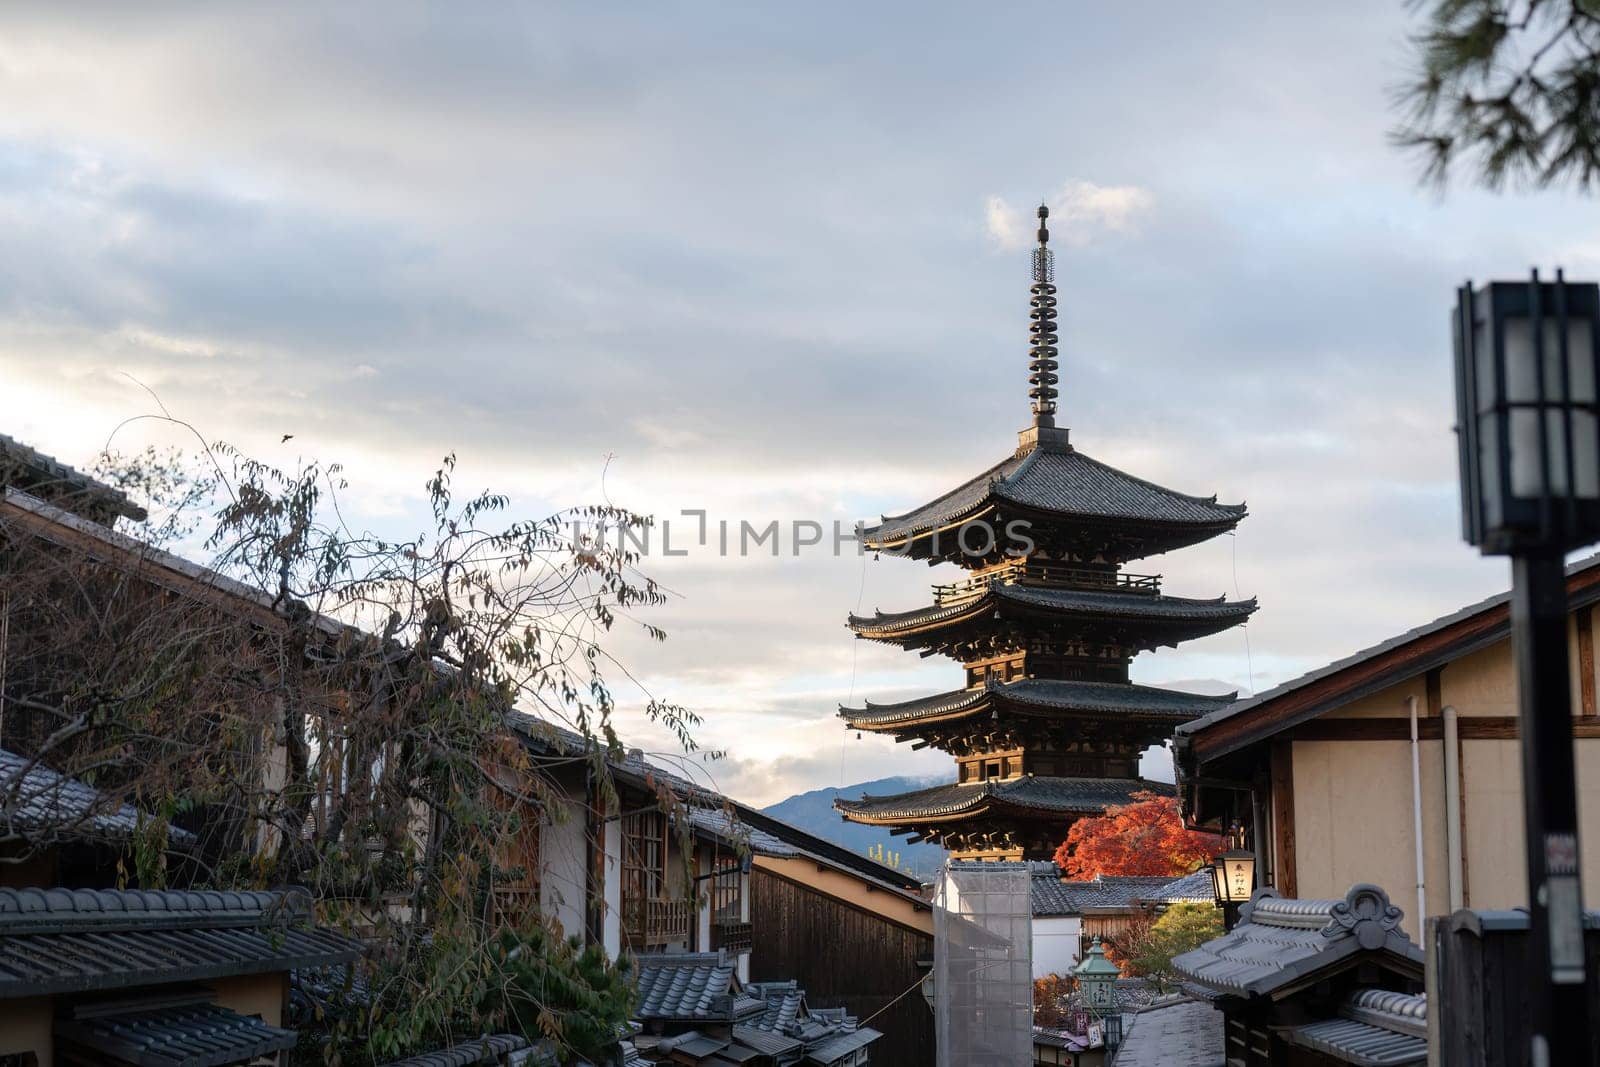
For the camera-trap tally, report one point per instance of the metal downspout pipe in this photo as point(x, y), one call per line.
point(1452, 807)
point(1416, 813)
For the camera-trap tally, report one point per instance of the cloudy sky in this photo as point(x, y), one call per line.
point(769, 261)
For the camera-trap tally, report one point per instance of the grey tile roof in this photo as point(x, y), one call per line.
point(1055, 896)
point(1349, 1041)
point(725, 826)
point(827, 1034)
point(1177, 1032)
point(1196, 888)
point(784, 1003)
point(840, 1045)
point(542, 733)
point(1052, 1038)
point(487, 1049)
point(1202, 616)
point(693, 1044)
point(192, 1035)
point(50, 479)
point(35, 800)
point(1045, 694)
point(1280, 941)
point(1089, 795)
point(766, 1041)
point(691, 986)
point(1375, 1028)
point(1066, 483)
point(68, 941)
point(1358, 658)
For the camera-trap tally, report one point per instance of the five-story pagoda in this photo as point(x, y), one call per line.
point(1048, 727)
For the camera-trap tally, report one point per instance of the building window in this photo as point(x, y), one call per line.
point(650, 921)
point(729, 930)
point(514, 880)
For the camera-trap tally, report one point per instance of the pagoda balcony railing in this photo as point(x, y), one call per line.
point(1051, 575)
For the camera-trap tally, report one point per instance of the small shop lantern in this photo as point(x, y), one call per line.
point(1097, 980)
point(1233, 876)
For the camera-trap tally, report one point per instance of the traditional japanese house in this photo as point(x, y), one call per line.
point(491, 1050)
point(1398, 765)
point(717, 879)
point(56, 830)
point(1047, 727)
point(1311, 982)
point(694, 1010)
point(157, 978)
point(1068, 915)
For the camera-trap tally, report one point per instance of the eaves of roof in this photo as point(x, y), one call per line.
point(47, 468)
point(173, 571)
point(638, 773)
point(1398, 659)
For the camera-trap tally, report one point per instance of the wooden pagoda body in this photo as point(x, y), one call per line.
point(1048, 727)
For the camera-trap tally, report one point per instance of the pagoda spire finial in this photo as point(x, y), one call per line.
point(1042, 365)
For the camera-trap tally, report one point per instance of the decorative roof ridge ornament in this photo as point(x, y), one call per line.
point(1366, 913)
point(1042, 363)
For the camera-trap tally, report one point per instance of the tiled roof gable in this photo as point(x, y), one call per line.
point(1279, 941)
point(1068, 483)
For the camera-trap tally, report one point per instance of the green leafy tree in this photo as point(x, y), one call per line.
point(1146, 950)
point(563, 990)
point(1513, 85)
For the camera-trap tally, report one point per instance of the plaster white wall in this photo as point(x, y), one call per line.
point(563, 853)
point(1055, 945)
point(613, 892)
point(702, 920)
point(744, 916)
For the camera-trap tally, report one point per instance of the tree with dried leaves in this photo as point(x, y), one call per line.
point(1513, 85)
point(1143, 837)
point(327, 707)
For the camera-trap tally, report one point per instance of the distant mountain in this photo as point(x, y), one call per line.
point(813, 812)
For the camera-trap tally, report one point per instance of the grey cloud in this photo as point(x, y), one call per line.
point(748, 244)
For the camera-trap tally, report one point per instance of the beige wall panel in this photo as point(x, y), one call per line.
point(1491, 774)
point(1353, 821)
point(1388, 704)
point(1587, 752)
point(25, 1027)
point(845, 886)
point(253, 994)
point(1482, 684)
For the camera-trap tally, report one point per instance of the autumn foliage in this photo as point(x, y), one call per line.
point(1145, 836)
point(1048, 993)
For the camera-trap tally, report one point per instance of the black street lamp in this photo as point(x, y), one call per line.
point(1527, 367)
point(1113, 1031)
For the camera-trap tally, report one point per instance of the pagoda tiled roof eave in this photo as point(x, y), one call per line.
point(1126, 607)
point(1042, 696)
point(1052, 796)
point(1065, 484)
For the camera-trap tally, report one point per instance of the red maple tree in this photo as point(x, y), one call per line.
point(1144, 836)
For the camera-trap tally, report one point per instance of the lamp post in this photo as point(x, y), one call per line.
point(1528, 425)
point(1097, 985)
